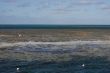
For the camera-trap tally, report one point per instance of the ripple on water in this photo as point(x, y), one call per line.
point(92, 65)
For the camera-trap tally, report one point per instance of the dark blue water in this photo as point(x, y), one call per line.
point(31, 26)
point(92, 65)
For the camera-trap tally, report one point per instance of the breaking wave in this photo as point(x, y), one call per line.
point(5, 44)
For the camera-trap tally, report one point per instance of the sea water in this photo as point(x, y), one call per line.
point(79, 64)
point(91, 65)
point(47, 26)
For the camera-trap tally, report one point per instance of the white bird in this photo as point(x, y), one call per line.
point(83, 65)
point(19, 35)
point(17, 69)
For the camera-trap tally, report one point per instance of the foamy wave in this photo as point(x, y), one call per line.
point(52, 43)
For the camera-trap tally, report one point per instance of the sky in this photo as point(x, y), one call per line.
point(55, 12)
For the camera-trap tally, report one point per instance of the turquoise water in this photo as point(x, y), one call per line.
point(17, 26)
point(92, 65)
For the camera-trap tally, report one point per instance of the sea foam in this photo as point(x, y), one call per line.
point(5, 44)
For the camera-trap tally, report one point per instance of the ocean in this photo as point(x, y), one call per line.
point(92, 65)
point(46, 26)
point(54, 48)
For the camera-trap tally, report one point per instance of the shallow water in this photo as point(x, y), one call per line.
point(92, 65)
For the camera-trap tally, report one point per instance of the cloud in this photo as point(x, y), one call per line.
point(27, 4)
point(52, 10)
point(105, 7)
